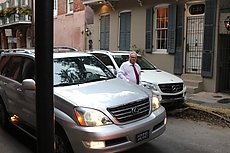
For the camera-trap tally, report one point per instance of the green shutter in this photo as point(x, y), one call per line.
point(178, 58)
point(104, 32)
point(209, 38)
point(125, 28)
point(171, 28)
point(149, 30)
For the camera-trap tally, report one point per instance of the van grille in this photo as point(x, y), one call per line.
point(131, 111)
point(171, 88)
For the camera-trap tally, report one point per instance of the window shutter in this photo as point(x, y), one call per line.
point(125, 28)
point(104, 32)
point(171, 28)
point(149, 30)
point(209, 38)
point(178, 58)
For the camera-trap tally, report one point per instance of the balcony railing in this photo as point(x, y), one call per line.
point(15, 19)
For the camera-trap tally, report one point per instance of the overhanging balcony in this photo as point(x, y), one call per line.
point(15, 19)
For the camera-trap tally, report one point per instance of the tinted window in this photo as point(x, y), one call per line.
point(28, 69)
point(144, 64)
point(12, 69)
point(104, 58)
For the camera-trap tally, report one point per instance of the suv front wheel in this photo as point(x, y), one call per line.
point(61, 143)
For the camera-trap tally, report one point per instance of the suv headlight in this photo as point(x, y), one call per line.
point(91, 117)
point(149, 85)
point(155, 103)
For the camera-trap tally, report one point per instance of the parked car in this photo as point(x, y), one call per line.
point(170, 88)
point(94, 110)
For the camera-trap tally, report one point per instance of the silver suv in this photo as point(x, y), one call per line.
point(170, 89)
point(94, 111)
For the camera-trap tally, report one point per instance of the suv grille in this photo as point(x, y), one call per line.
point(171, 88)
point(131, 111)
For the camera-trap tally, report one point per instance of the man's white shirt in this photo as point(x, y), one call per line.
point(126, 72)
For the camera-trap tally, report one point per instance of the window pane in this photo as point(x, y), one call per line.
point(161, 27)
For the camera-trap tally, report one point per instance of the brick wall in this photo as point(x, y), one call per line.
point(62, 6)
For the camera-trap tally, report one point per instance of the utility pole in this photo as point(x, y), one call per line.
point(44, 75)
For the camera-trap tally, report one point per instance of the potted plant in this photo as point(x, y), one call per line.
point(25, 10)
point(9, 11)
point(2, 14)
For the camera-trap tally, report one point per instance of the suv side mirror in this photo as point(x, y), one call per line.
point(28, 84)
point(110, 67)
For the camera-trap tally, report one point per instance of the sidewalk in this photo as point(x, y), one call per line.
point(217, 100)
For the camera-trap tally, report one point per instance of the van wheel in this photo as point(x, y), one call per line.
point(4, 123)
point(61, 142)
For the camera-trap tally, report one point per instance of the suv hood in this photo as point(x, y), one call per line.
point(156, 76)
point(100, 94)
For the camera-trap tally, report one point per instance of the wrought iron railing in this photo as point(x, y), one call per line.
point(15, 18)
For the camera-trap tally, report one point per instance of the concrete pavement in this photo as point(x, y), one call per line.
point(215, 100)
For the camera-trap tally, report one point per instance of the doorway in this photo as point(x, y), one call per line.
point(224, 63)
point(194, 38)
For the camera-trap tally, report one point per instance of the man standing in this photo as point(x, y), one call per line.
point(130, 70)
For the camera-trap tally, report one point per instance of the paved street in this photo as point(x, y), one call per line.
point(181, 136)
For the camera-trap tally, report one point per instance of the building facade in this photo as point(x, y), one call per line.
point(69, 23)
point(187, 38)
point(16, 24)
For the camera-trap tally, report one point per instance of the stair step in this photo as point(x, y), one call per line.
point(192, 83)
point(192, 90)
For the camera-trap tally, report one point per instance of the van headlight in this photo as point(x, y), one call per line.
point(91, 117)
point(155, 103)
point(149, 85)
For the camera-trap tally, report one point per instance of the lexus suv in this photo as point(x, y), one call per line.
point(170, 89)
point(94, 111)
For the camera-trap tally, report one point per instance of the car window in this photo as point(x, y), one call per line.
point(28, 69)
point(4, 60)
point(104, 58)
point(144, 63)
point(119, 59)
point(13, 68)
point(78, 70)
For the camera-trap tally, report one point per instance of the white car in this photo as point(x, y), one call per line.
point(170, 88)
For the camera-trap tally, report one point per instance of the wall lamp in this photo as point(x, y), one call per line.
point(227, 23)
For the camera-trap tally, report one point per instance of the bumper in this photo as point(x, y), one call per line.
point(118, 137)
point(171, 99)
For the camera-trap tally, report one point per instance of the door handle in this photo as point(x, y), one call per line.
point(19, 90)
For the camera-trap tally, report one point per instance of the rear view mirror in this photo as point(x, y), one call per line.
point(28, 84)
point(110, 67)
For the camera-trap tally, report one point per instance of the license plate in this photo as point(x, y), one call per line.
point(142, 136)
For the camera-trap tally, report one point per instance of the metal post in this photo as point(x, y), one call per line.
point(44, 75)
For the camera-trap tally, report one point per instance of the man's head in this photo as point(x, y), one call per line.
point(133, 57)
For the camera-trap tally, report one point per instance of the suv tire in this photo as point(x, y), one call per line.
point(62, 145)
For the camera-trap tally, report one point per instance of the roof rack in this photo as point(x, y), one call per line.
point(20, 50)
point(61, 49)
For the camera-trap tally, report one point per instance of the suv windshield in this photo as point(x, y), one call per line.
point(78, 70)
point(144, 64)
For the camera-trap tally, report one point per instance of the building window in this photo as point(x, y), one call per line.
point(16, 2)
point(25, 2)
point(161, 28)
point(104, 32)
point(70, 6)
point(55, 7)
